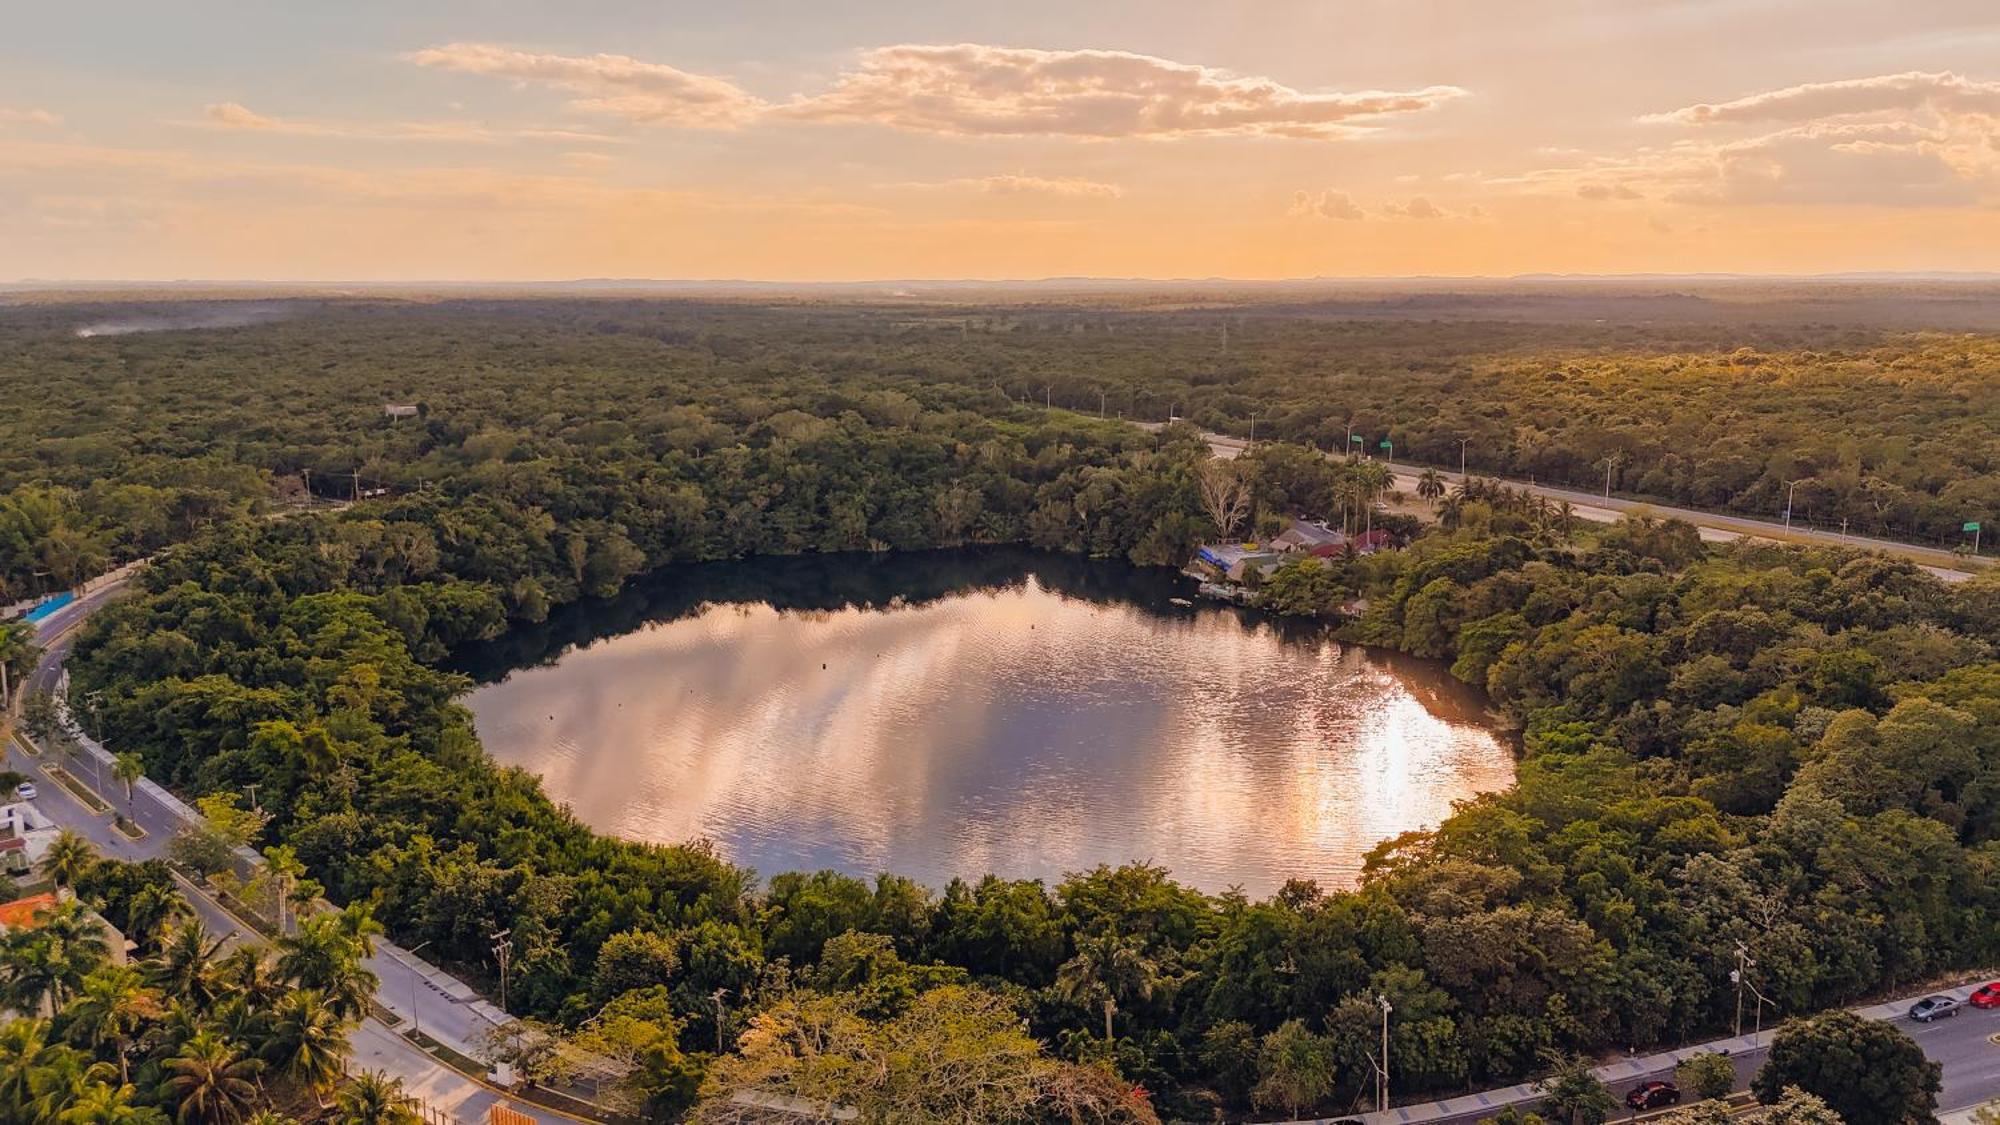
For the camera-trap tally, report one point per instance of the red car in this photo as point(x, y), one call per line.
point(1985, 996)
point(1653, 1095)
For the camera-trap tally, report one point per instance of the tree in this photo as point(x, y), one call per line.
point(110, 1008)
point(128, 768)
point(307, 1043)
point(375, 1098)
point(185, 969)
point(1706, 1075)
point(1574, 1094)
point(326, 956)
point(25, 1052)
point(1107, 969)
point(209, 1081)
point(634, 959)
point(1869, 1071)
point(1431, 485)
point(105, 1104)
point(1225, 495)
point(69, 858)
point(1296, 1069)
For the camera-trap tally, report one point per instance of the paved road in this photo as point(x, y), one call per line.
point(445, 1008)
point(1594, 506)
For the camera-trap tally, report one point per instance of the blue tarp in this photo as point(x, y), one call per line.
point(35, 615)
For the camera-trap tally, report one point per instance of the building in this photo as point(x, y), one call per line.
point(25, 836)
point(1310, 538)
point(28, 913)
point(1237, 561)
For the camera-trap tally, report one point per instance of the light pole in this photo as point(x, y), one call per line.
point(1253, 427)
point(1610, 464)
point(416, 1013)
point(1790, 489)
point(1382, 1099)
point(1462, 442)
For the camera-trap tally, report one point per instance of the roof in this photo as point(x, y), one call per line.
point(22, 912)
point(1308, 532)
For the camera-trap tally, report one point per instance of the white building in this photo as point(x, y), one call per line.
point(25, 836)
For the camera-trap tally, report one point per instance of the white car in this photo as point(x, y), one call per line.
point(25, 791)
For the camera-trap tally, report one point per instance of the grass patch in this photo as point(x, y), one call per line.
point(77, 789)
point(130, 830)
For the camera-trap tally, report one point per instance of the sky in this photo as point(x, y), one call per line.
point(783, 140)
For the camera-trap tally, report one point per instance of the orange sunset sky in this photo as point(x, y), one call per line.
point(502, 139)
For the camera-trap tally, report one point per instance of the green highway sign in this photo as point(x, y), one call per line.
point(1386, 444)
point(1357, 437)
point(1972, 526)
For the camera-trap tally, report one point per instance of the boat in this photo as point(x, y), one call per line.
point(1180, 601)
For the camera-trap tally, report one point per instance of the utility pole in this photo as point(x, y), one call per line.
point(1790, 489)
point(1253, 428)
point(1382, 1100)
point(502, 951)
point(1743, 963)
point(1100, 404)
point(1048, 397)
point(416, 1013)
point(357, 485)
point(719, 994)
point(1610, 463)
point(1462, 442)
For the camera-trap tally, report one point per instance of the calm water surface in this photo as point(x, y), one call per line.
point(956, 713)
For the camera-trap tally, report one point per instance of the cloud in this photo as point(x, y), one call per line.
point(1893, 140)
point(965, 90)
point(1418, 207)
point(233, 116)
point(1327, 205)
point(1940, 92)
point(1009, 184)
point(968, 89)
point(651, 93)
point(28, 117)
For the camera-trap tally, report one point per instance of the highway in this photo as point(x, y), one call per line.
point(446, 1009)
point(1715, 528)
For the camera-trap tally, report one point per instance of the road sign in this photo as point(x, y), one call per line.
point(1387, 444)
point(1971, 525)
point(1357, 437)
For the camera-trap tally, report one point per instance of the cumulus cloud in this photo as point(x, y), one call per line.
point(968, 89)
point(1327, 205)
point(1010, 184)
point(1893, 140)
point(964, 89)
point(1417, 207)
point(28, 117)
point(1940, 92)
point(653, 93)
point(234, 116)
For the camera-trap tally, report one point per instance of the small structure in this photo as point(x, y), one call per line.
point(29, 913)
point(25, 836)
point(1310, 538)
point(1369, 542)
point(399, 409)
point(1236, 561)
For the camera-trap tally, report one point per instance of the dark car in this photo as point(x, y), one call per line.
point(1985, 996)
point(1653, 1095)
point(1933, 1008)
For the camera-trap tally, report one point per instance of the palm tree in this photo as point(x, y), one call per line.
point(185, 968)
point(110, 1008)
point(105, 1104)
point(24, 1051)
point(150, 910)
point(1431, 485)
point(69, 858)
point(308, 1042)
point(374, 1098)
point(128, 768)
point(64, 1080)
point(326, 955)
point(210, 1082)
point(1107, 968)
point(248, 973)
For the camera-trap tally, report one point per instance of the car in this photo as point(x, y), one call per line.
point(1653, 1095)
point(1933, 1008)
point(1985, 996)
point(24, 791)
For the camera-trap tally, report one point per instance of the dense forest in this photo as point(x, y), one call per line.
point(1795, 749)
point(116, 444)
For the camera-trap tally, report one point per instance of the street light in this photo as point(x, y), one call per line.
point(1610, 463)
point(1382, 1095)
point(416, 1013)
point(1790, 489)
point(1461, 456)
point(1744, 962)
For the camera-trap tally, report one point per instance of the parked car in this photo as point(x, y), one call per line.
point(1653, 1095)
point(25, 791)
point(1933, 1008)
point(1986, 996)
